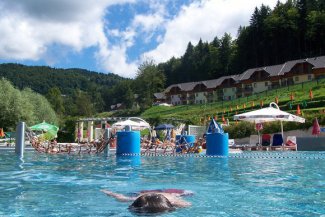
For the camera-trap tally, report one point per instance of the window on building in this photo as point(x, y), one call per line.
point(297, 78)
point(224, 90)
point(196, 94)
point(255, 84)
point(233, 89)
point(309, 77)
point(266, 84)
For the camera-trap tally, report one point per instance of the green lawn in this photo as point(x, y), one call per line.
point(196, 113)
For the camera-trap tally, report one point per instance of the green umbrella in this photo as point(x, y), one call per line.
point(50, 134)
point(44, 127)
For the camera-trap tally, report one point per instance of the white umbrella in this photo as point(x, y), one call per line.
point(143, 124)
point(134, 124)
point(269, 114)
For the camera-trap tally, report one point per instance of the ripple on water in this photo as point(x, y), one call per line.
point(283, 184)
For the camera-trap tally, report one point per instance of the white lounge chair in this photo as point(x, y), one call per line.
point(253, 143)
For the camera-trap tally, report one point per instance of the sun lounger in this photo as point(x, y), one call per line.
point(266, 142)
point(277, 142)
point(291, 143)
point(253, 143)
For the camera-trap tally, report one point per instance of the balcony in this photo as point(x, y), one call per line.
point(273, 86)
point(209, 96)
point(183, 97)
point(247, 90)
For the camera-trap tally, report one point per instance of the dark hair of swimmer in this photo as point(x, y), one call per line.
point(151, 203)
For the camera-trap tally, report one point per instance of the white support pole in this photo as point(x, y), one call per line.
point(282, 135)
point(20, 139)
point(107, 136)
point(81, 130)
point(90, 131)
point(76, 131)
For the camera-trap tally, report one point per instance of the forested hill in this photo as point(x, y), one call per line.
point(292, 30)
point(43, 78)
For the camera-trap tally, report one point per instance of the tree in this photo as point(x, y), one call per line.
point(25, 105)
point(54, 96)
point(316, 32)
point(148, 81)
point(201, 62)
point(187, 64)
point(225, 53)
point(123, 93)
point(171, 69)
point(83, 103)
point(10, 102)
point(41, 108)
point(282, 27)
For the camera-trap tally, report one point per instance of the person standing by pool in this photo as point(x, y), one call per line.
point(153, 201)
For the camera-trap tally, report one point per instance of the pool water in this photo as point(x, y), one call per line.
point(249, 184)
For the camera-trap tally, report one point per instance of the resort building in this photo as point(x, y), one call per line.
point(252, 81)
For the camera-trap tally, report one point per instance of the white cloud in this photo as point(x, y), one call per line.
point(29, 28)
point(148, 22)
point(115, 58)
point(203, 19)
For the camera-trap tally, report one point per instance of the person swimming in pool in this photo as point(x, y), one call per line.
point(154, 201)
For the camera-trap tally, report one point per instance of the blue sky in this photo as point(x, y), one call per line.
point(113, 36)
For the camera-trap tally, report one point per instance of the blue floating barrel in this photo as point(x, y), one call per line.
point(217, 144)
point(128, 142)
point(189, 139)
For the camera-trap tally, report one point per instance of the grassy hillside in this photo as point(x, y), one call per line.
point(197, 114)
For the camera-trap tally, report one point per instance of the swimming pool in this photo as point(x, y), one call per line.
point(249, 184)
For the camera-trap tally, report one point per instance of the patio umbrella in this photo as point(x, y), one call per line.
point(316, 128)
point(164, 127)
point(44, 127)
point(134, 124)
point(269, 114)
point(50, 134)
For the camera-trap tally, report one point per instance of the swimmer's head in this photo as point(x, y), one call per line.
point(151, 203)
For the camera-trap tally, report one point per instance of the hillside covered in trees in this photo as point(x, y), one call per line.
point(42, 78)
point(82, 92)
point(292, 30)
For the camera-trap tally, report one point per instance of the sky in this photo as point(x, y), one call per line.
point(113, 36)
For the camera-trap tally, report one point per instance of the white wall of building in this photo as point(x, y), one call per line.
point(175, 99)
point(260, 86)
point(302, 78)
point(200, 98)
point(229, 93)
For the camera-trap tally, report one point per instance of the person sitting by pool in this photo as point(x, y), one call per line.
point(153, 201)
